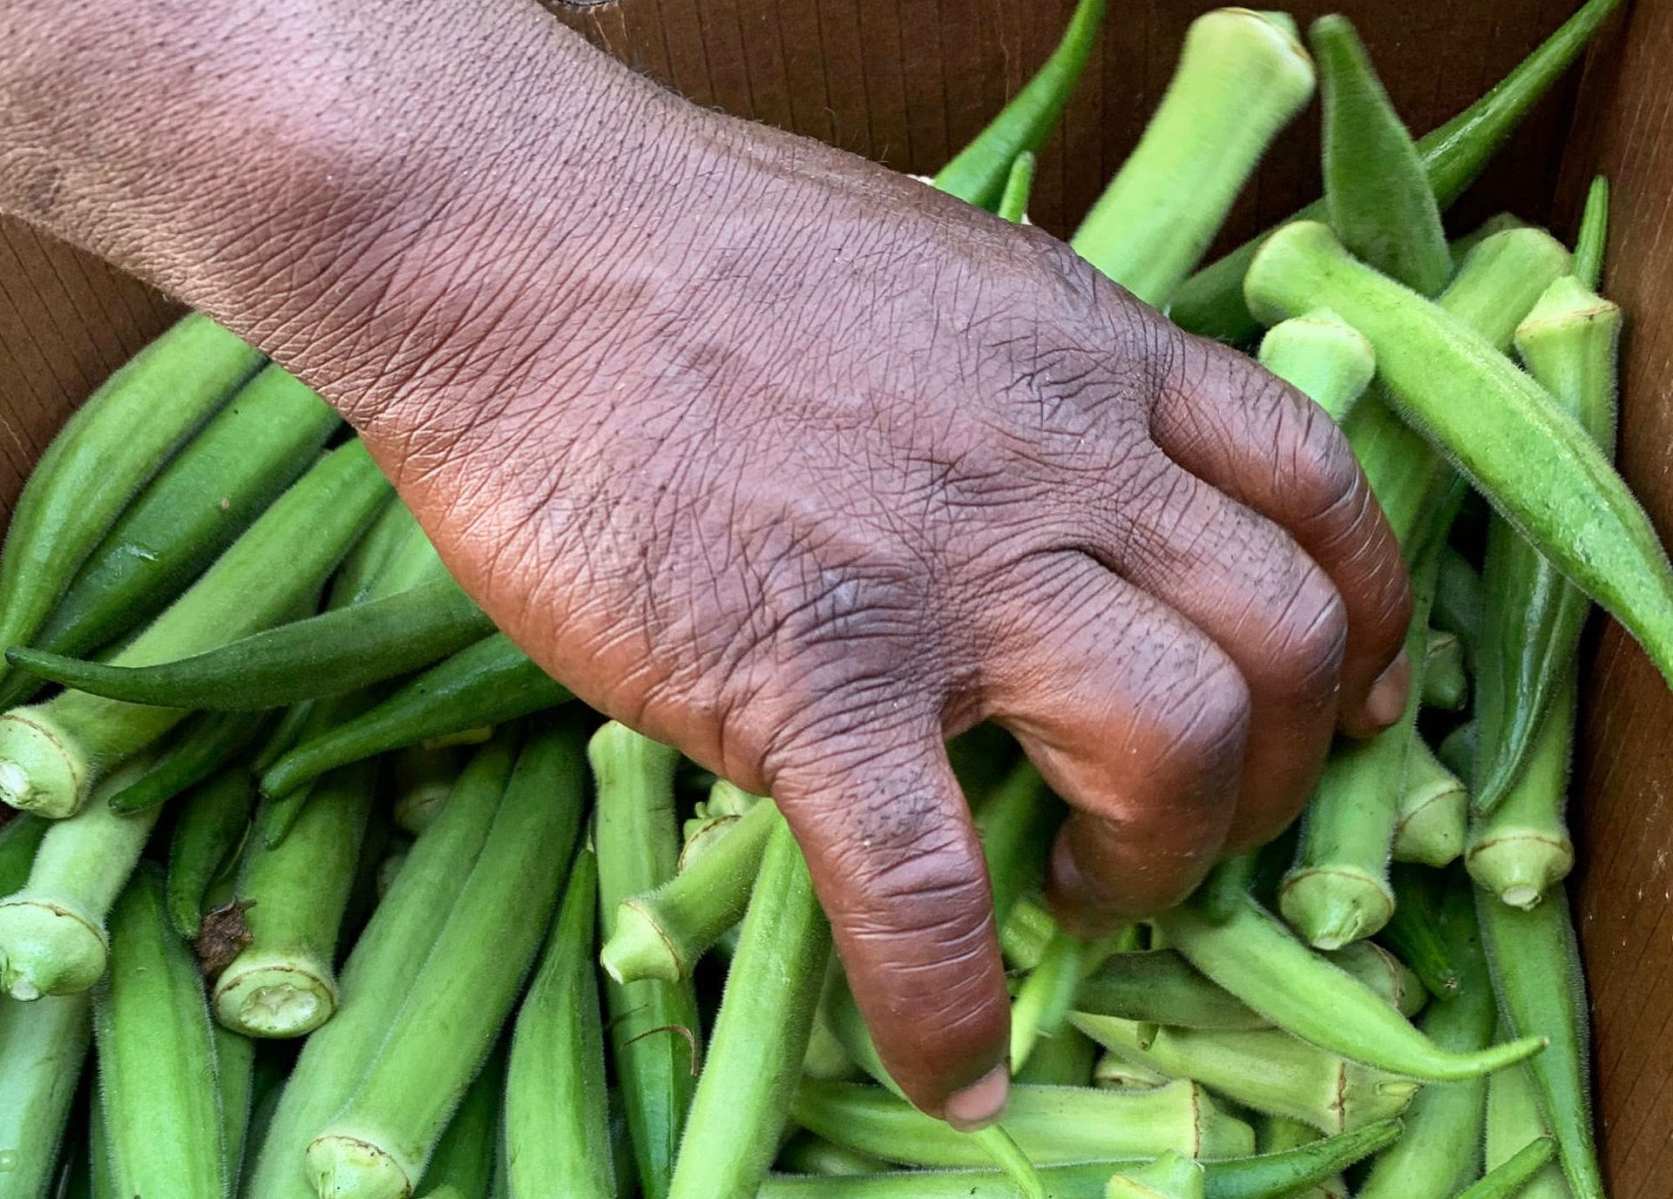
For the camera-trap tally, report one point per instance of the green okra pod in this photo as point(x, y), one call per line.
point(42, 1048)
point(1256, 958)
point(1394, 982)
point(1064, 1059)
point(328, 654)
point(980, 171)
point(1275, 1134)
point(1446, 684)
point(1497, 223)
point(20, 837)
point(282, 983)
point(1514, 1123)
point(486, 683)
point(1170, 1176)
point(1521, 849)
point(556, 1122)
point(219, 482)
point(51, 753)
point(1432, 818)
point(1511, 1177)
point(52, 934)
point(1412, 932)
point(422, 778)
point(380, 973)
point(210, 827)
point(159, 1098)
point(805, 1153)
point(1535, 964)
point(1459, 602)
point(1324, 357)
point(1161, 987)
point(463, 1164)
point(760, 1035)
point(379, 1143)
point(1013, 205)
point(1498, 426)
point(1593, 239)
point(663, 933)
point(1268, 1176)
point(201, 747)
point(1376, 192)
point(284, 735)
point(653, 1027)
point(1240, 79)
point(1569, 345)
point(235, 1058)
point(1047, 993)
point(1016, 822)
point(104, 454)
point(1052, 1125)
point(1212, 301)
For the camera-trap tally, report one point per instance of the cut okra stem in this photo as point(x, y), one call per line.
point(760, 1034)
point(1170, 1176)
point(1432, 820)
point(1240, 80)
point(1323, 357)
point(1446, 686)
point(1521, 849)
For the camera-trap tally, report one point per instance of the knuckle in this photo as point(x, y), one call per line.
point(1307, 642)
point(1199, 722)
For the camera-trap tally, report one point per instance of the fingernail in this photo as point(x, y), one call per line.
point(1387, 698)
point(980, 1103)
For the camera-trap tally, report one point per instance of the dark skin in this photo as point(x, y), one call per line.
point(779, 458)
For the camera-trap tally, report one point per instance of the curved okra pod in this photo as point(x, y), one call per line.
point(1412, 931)
point(1500, 428)
point(328, 654)
point(1275, 1134)
point(378, 1144)
point(1593, 238)
point(159, 1098)
point(1051, 1125)
point(1064, 1059)
point(1240, 79)
point(979, 172)
point(380, 973)
point(1376, 191)
point(1394, 982)
point(52, 934)
point(1171, 1176)
point(221, 480)
point(1019, 184)
point(484, 684)
point(209, 828)
point(805, 1153)
point(1521, 849)
point(1535, 964)
point(1016, 822)
point(1323, 357)
point(463, 1165)
point(1160, 987)
point(1432, 819)
point(42, 1048)
point(760, 1035)
point(1267, 1176)
point(103, 455)
point(1047, 993)
point(1212, 302)
point(1446, 684)
point(282, 983)
point(1514, 1123)
point(1568, 343)
point(204, 745)
point(556, 1122)
point(235, 1080)
point(662, 933)
point(1511, 1177)
point(653, 1025)
point(20, 837)
point(1256, 958)
point(51, 753)
point(1459, 603)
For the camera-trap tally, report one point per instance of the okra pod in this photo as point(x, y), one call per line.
point(805, 1153)
point(220, 481)
point(1593, 239)
point(1324, 357)
point(52, 931)
point(1521, 849)
point(1240, 80)
point(1394, 982)
point(202, 746)
point(282, 983)
point(1458, 603)
point(979, 172)
point(42, 1048)
point(20, 837)
point(104, 454)
point(1457, 750)
point(1568, 343)
point(210, 827)
point(1212, 301)
point(1161, 987)
point(328, 654)
point(1052, 1125)
point(423, 778)
point(1412, 934)
point(51, 753)
point(1267, 1176)
point(760, 1035)
point(1513, 1123)
point(379, 1143)
point(159, 1097)
point(556, 1122)
point(1535, 964)
point(1016, 822)
point(1170, 1176)
point(1446, 685)
point(1275, 1134)
point(1497, 223)
point(1255, 958)
point(463, 1164)
point(1511, 1177)
point(1498, 426)
point(1376, 192)
point(487, 683)
point(1266, 1070)
point(1046, 993)
point(235, 1080)
point(653, 1025)
point(1064, 1059)
point(1432, 818)
point(381, 972)
point(1013, 205)
point(1117, 1070)
point(284, 735)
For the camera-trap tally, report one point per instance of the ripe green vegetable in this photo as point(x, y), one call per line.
point(1446, 684)
point(1521, 849)
point(1412, 932)
point(1013, 205)
point(1432, 819)
point(1170, 1176)
point(1511, 1177)
point(42, 1047)
point(203, 745)
point(1324, 357)
point(209, 828)
point(1161, 987)
point(463, 1165)
point(1513, 1123)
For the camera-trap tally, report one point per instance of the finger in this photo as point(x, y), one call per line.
point(1269, 447)
point(1245, 583)
point(898, 867)
point(1137, 719)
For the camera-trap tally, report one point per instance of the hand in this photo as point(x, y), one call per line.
point(774, 456)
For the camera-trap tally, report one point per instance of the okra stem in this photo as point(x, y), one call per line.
point(1446, 685)
point(1240, 79)
point(1432, 820)
point(1324, 357)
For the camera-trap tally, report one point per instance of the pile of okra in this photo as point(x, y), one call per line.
point(317, 886)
